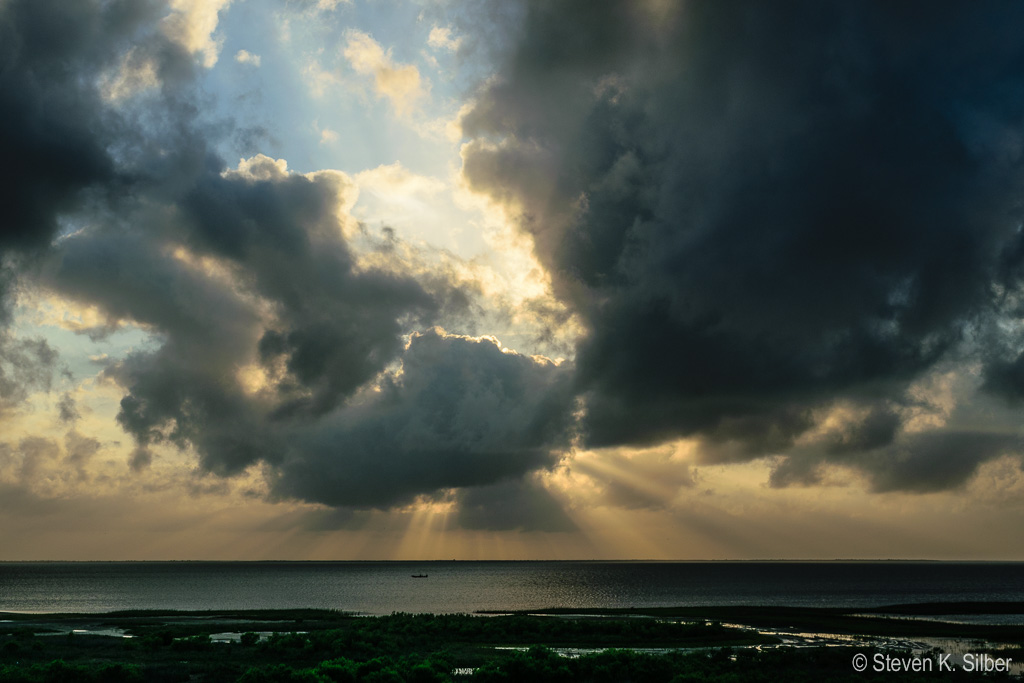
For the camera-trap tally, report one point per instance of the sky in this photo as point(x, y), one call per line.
point(511, 279)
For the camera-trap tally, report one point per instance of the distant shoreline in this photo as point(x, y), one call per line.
point(884, 620)
point(531, 561)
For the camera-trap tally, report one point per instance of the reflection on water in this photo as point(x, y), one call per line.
point(236, 636)
point(386, 587)
point(111, 632)
point(977, 619)
point(958, 649)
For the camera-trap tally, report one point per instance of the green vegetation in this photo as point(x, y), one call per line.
point(313, 645)
point(332, 647)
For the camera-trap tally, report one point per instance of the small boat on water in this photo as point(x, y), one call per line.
point(419, 576)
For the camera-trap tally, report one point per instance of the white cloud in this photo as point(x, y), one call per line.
point(246, 57)
point(441, 38)
point(192, 24)
point(330, 5)
point(399, 83)
point(259, 168)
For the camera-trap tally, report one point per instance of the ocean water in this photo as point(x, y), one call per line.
point(385, 587)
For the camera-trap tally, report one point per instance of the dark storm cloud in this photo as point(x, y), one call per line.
point(49, 153)
point(182, 392)
point(919, 463)
point(758, 209)
point(321, 327)
point(48, 140)
point(333, 326)
point(59, 140)
point(338, 326)
point(933, 462)
point(121, 168)
point(1004, 372)
point(170, 400)
point(463, 412)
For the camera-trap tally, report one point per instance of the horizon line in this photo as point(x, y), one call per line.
point(622, 560)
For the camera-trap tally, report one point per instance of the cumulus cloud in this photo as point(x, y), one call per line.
point(53, 140)
point(66, 69)
point(246, 57)
point(459, 412)
point(920, 462)
point(266, 281)
point(398, 83)
point(754, 228)
point(281, 346)
point(442, 38)
point(283, 334)
point(193, 25)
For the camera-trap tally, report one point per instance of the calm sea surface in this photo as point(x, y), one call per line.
point(385, 587)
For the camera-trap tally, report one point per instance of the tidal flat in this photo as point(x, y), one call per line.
point(670, 645)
